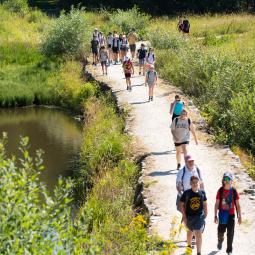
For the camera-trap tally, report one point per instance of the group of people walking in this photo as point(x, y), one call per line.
point(191, 197)
point(114, 50)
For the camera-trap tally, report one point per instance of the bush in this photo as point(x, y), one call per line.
point(31, 221)
point(66, 36)
point(133, 18)
point(18, 6)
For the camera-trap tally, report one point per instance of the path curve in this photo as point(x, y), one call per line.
point(150, 126)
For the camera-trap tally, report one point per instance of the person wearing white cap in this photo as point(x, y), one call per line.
point(227, 200)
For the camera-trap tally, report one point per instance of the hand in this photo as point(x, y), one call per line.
point(239, 220)
point(196, 142)
point(216, 220)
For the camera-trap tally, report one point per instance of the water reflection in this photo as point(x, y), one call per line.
point(55, 132)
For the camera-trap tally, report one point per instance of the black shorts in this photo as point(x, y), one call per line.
point(103, 63)
point(132, 47)
point(124, 48)
point(179, 144)
point(196, 222)
point(127, 75)
point(95, 51)
point(115, 49)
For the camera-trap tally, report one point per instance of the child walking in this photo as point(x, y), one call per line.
point(176, 107)
point(227, 200)
point(104, 57)
point(151, 79)
point(141, 55)
point(128, 68)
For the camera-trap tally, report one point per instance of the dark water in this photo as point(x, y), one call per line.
point(51, 130)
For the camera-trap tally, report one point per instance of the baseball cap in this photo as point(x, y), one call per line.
point(228, 174)
point(189, 157)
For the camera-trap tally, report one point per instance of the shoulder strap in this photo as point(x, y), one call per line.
point(176, 120)
point(221, 194)
point(198, 171)
point(183, 173)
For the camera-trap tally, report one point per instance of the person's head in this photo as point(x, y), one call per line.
point(110, 33)
point(151, 49)
point(189, 161)
point(115, 36)
point(227, 180)
point(194, 183)
point(142, 45)
point(120, 36)
point(95, 30)
point(124, 36)
point(184, 114)
point(101, 33)
point(177, 98)
point(102, 47)
point(151, 67)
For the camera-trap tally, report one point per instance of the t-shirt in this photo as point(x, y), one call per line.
point(186, 178)
point(193, 201)
point(103, 56)
point(110, 39)
point(94, 44)
point(127, 65)
point(224, 205)
point(142, 53)
point(151, 75)
point(150, 58)
point(181, 132)
point(178, 107)
point(132, 37)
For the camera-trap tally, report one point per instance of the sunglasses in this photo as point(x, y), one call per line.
point(226, 179)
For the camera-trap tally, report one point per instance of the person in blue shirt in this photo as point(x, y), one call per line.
point(176, 107)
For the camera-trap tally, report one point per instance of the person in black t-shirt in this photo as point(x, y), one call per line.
point(141, 55)
point(194, 211)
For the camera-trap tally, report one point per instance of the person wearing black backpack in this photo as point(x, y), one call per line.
point(185, 26)
point(227, 200)
point(181, 128)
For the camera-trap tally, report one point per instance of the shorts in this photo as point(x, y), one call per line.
point(124, 48)
point(141, 61)
point(127, 75)
point(115, 49)
point(151, 84)
point(95, 51)
point(174, 116)
point(132, 47)
point(179, 144)
point(196, 222)
point(103, 63)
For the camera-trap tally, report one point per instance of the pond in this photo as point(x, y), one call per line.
point(55, 132)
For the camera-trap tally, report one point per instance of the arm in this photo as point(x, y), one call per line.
point(133, 70)
point(179, 185)
point(184, 216)
point(192, 129)
point(238, 208)
point(205, 208)
point(171, 108)
point(216, 208)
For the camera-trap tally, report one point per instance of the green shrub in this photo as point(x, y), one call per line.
point(66, 35)
point(18, 6)
point(133, 18)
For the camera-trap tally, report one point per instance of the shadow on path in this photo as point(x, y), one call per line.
point(164, 172)
point(143, 102)
point(213, 252)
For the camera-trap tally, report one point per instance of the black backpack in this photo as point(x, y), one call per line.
point(186, 25)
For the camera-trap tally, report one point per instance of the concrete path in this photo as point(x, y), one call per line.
point(150, 127)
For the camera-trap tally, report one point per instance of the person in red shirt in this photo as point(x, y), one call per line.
point(227, 200)
point(128, 69)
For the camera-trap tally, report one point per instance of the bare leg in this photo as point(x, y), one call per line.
point(184, 149)
point(189, 237)
point(178, 154)
point(198, 235)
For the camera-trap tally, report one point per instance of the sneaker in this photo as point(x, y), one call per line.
point(199, 253)
point(219, 246)
point(151, 98)
point(139, 73)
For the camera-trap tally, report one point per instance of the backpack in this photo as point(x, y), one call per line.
point(189, 121)
point(185, 25)
point(234, 196)
point(184, 170)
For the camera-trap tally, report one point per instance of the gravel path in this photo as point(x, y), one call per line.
point(150, 126)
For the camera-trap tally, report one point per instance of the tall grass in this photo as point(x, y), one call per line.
point(215, 70)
